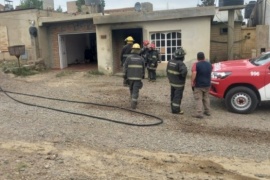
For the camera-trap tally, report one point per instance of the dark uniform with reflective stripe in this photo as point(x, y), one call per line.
point(152, 63)
point(134, 72)
point(126, 51)
point(176, 72)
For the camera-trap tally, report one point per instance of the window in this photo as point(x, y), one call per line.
point(166, 43)
point(223, 31)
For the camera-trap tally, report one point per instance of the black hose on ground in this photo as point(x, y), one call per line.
point(160, 121)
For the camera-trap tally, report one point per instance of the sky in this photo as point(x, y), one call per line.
point(114, 4)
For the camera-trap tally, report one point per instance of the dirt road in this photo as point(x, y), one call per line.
point(38, 143)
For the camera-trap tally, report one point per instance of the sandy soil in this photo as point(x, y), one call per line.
point(45, 158)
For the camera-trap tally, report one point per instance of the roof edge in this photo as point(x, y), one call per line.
point(156, 15)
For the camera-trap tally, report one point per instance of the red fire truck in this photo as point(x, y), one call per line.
point(242, 83)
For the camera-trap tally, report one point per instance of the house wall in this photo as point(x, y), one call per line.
point(267, 19)
point(262, 16)
point(105, 49)
point(262, 40)
point(17, 24)
point(249, 44)
point(48, 4)
point(195, 38)
point(71, 7)
point(219, 43)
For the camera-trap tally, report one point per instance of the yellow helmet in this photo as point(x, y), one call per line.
point(136, 46)
point(129, 39)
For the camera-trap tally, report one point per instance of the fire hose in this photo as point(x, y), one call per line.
point(159, 120)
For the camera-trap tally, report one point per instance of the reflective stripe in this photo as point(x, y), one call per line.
point(176, 105)
point(177, 85)
point(135, 66)
point(134, 78)
point(152, 68)
point(126, 55)
point(173, 72)
point(134, 100)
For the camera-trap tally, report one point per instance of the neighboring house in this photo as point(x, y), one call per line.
point(62, 39)
point(14, 30)
point(2, 7)
point(219, 36)
point(72, 7)
point(48, 4)
point(259, 17)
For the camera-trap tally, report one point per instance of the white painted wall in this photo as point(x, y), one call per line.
point(195, 35)
point(104, 49)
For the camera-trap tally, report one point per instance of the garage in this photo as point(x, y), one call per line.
point(78, 50)
point(71, 41)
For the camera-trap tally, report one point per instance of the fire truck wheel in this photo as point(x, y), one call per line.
point(241, 100)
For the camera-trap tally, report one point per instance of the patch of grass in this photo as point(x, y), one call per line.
point(64, 73)
point(95, 72)
point(8, 64)
point(12, 67)
point(23, 71)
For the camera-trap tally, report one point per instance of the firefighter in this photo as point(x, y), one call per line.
point(145, 50)
point(126, 52)
point(176, 73)
point(134, 73)
point(126, 49)
point(152, 62)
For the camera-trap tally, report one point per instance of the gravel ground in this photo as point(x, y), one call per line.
point(38, 143)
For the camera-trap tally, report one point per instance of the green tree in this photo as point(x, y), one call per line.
point(59, 9)
point(102, 3)
point(207, 3)
point(31, 4)
point(79, 4)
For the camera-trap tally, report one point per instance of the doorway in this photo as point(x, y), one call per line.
point(118, 41)
point(78, 50)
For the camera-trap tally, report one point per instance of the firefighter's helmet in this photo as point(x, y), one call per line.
point(129, 39)
point(179, 53)
point(145, 42)
point(136, 46)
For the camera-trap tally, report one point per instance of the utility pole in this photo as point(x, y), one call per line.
point(231, 12)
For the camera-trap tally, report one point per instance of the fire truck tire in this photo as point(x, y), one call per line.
point(241, 99)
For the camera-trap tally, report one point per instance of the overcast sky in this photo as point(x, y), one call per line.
point(113, 4)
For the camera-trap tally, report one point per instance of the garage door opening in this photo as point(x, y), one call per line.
point(78, 51)
point(118, 39)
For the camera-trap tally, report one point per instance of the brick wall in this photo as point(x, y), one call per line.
point(66, 28)
point(218, 47)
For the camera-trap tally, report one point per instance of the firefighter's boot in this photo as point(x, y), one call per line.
point(133, 104)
